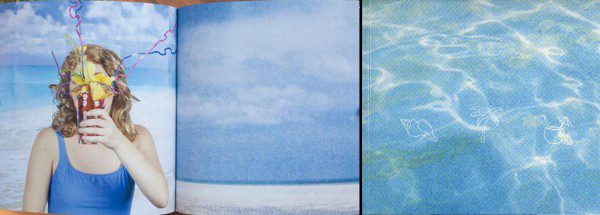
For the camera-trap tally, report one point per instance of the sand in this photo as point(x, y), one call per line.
point(196, 198)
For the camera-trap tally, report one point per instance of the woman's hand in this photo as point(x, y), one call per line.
point(103, 128)
point(142, 163)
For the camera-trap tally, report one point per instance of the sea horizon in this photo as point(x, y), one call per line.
point(290, 182)
point(28, 85)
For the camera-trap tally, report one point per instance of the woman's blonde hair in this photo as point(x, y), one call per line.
point(65, 118)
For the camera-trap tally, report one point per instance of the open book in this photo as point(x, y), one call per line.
point(253, 106)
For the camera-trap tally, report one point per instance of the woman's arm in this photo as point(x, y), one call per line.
point(141, 162)
point(39, 171)
point(143, 165)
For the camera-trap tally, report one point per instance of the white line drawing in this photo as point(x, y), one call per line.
point(556, 134)
point(418, 128)
point(484, 115)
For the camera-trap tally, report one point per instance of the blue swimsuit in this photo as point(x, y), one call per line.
point(75, 192)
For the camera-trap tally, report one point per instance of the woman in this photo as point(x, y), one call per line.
point(89, 178)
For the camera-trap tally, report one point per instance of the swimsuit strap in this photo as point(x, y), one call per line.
point(62, 148)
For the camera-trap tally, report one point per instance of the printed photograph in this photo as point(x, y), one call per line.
point(82, 130)
point(480, 107)
point(268, 108)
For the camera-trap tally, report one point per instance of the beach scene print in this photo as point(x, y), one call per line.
point(30, 33)
point(267, 100)
point(510, 91)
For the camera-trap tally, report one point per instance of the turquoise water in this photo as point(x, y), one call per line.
point(26, 86)
point(481, 107)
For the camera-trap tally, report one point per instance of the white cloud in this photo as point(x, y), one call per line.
point(277, 66)
point(258, 105)
point(125, 21)
point(323, 41)
point(24, 31)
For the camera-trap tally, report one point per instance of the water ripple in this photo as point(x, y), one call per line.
point(528, 59)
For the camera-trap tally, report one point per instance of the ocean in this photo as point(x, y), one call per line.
point(283, 154)
point(481, 107)
point(28, 85)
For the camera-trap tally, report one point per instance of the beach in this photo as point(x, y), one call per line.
point(155, 111)
point(17, 133)
point(197, 198)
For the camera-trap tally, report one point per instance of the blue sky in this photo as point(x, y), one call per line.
point(30, 31)
point(268, 91)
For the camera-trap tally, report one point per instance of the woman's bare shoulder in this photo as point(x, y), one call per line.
point(144, 140)
point(45, 143)
point(47, 133)
point(143, 134)
point(142, 131)
point(46, 136)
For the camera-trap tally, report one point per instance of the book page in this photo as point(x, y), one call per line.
point(481, 107)
point(31, 33)
point(267, 108)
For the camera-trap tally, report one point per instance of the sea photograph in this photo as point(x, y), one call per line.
point(267, 108)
